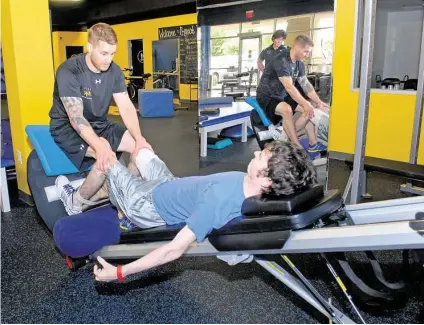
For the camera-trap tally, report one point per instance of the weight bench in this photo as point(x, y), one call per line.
point(313, 221)
point(413, 173)
point(308, 222)
point(45, 163)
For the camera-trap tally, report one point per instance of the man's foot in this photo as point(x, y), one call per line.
point(66, 192)
point(317, 147)
point(126, 224)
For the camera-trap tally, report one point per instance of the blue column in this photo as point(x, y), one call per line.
point(205, 46)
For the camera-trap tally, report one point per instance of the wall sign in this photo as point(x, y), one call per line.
point(187, 34)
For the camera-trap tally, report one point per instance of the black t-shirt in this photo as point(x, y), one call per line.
point(75, 79)
point(270, 86)
point(269, 53)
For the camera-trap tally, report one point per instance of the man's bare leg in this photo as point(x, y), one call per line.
point(91, 189)
point(284, 110)
point(128, 145)
point(303, 122)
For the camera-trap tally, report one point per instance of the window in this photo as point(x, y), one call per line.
point(266, 40)
point(395, 56)
point(264, 26)
point(225, 30)
point(281, 24)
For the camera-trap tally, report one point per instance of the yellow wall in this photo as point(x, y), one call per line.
point(63, 39)
point(391, 116)
point(29, 72)
point(148, 31)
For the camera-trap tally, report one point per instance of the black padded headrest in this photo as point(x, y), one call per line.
point(261, 205)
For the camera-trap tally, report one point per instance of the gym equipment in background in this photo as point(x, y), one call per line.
point(356, 187)
point(135, 83)
point(156, 102)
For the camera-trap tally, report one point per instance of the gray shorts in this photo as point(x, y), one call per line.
point(133, 195)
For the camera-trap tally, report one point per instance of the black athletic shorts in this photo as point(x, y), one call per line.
point(75, 147)
point(272, 105)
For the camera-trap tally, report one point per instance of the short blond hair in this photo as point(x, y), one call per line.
point(303, 40)
point(102, 32)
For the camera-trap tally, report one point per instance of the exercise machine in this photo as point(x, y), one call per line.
point(314, 221)
point(135, 83)
point(356, 187)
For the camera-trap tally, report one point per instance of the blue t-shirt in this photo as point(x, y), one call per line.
point(204, 203)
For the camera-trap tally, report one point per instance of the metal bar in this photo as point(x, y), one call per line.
point(342, 286)
point(227, 4)
point(336, 316)
point(292, 283)
point(348, 189)
point(416, 130)
point(364, 98)
point(205, 45)
point(380, 236)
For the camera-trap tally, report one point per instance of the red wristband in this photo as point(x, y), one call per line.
point(119, 273)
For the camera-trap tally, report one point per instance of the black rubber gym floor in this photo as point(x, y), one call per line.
point(37, 287)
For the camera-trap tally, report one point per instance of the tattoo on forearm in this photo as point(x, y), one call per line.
point(306, 85)
point(74, 107)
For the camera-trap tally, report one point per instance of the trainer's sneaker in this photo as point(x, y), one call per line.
point(126, 224)
point(317, 147)
point(66, 192)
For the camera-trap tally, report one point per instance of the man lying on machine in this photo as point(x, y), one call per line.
point(277, 93)
point(155, 197)
point(83, 91)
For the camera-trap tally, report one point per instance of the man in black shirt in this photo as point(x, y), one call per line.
point(277, 92)
point(274, 49)
point(83, 92)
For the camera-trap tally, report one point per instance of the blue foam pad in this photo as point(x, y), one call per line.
point(235, 132)
point(7, 162)
point(53, 159)
point(221, 144)
point(253, 102)
point(156, 102)
point(212, 101)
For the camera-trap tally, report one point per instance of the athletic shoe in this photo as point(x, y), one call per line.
point(126, 224)
point(317, 147)
point(66, 192)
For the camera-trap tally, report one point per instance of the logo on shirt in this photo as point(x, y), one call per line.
point(86, 93)
point(99, 81)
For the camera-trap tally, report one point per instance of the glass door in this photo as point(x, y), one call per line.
point(249, 53)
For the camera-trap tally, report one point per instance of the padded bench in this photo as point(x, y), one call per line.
point(265, 223)
point(54, 160)
point(45, 163)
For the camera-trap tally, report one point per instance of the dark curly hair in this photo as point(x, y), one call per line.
point(289, 168)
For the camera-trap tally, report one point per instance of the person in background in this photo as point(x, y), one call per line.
point(274, 49)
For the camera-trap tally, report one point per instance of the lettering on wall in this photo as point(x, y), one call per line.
point(187, 34)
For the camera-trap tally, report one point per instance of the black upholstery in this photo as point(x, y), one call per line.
point(250, 228)
point(258, 206)
point(398, 168)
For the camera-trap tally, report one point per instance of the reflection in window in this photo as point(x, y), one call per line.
point(225, 30)
point(395, 56)
point(263, 26)
point(266, 41)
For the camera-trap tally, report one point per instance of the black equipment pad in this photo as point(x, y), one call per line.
point(258, 206)
point(248, 233)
